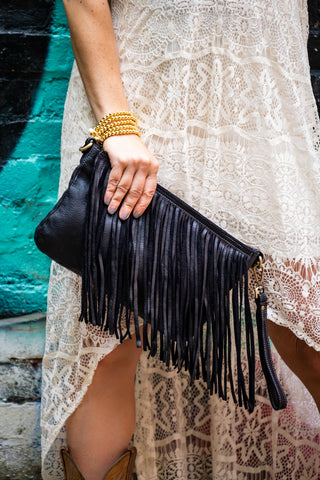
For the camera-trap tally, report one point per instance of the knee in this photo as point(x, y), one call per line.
point(123, 358)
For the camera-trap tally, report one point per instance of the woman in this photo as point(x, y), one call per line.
point(222, 94)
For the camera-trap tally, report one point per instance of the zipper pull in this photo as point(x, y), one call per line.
point(259, 275)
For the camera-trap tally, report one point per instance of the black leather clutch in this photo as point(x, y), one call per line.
point(183, 274)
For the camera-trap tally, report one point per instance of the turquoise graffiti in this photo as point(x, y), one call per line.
point(29, 179)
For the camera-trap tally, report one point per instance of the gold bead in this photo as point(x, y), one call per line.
point(116, 123)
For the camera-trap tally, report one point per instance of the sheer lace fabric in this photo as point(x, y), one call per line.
point(223, 97)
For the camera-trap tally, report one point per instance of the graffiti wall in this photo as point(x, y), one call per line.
point(36, 59)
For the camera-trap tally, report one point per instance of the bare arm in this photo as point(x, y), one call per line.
point(134, 169)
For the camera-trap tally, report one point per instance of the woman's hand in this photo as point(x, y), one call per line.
point(133, 177)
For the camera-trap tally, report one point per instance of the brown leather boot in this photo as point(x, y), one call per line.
point(122, 469)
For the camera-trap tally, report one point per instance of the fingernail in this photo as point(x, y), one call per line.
point(136, 214)
point(112, 210)
point(107, 201)
point(124, 215)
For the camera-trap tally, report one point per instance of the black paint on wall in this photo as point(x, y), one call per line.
point(24, 40)
point(314, 47)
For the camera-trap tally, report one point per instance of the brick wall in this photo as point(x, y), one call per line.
point(35, 62)
point(25, 35)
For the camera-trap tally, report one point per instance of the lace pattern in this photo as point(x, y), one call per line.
point(223, 97)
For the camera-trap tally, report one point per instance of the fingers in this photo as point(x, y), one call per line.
point(133, 177)
point(119, 184)
point(146, 197)
point(135, 190)
point(129, 190)
point(113, 182)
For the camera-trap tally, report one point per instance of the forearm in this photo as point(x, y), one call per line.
point(133, 177)
point(96, 53)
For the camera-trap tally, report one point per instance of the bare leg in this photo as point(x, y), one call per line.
point(303, 360)
point(100, 429)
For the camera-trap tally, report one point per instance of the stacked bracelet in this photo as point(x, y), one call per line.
point(118, 123)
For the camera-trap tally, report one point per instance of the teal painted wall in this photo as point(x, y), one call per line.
point(29, 180)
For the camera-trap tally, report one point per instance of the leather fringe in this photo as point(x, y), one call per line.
point(176, 274)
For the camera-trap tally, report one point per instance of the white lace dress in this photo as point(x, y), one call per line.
point(222, 92)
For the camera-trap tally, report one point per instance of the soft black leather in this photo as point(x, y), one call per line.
point(277, 396)
point(60, 234)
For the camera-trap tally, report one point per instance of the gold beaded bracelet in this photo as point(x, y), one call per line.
point(117, 123)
